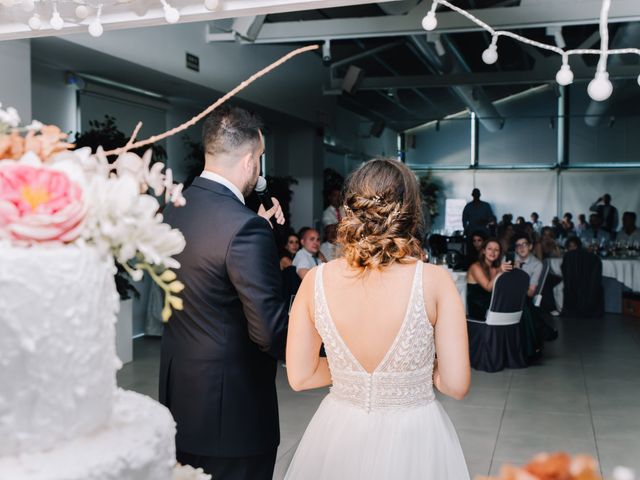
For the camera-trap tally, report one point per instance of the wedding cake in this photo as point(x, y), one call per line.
point(63, 217)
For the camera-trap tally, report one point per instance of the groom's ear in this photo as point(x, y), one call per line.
point(246, 160)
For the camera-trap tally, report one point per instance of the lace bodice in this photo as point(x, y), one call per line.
point(403, 379)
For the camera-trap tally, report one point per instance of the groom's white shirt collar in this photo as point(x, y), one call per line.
point(223, 181)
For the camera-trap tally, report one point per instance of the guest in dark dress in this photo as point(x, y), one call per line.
point(481, 276)
point(475, 245)
point(288, 250)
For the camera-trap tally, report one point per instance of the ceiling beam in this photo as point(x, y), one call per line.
point(542, 75)
point(541, 13)
point(13, 21)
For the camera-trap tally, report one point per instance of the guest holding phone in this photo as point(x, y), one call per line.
point(482, 275)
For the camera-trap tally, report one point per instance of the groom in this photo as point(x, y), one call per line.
point(218, 360)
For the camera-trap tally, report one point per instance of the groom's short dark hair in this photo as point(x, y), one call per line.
point(229, 128)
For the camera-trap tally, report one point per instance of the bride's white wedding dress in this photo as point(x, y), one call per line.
point(381, 425)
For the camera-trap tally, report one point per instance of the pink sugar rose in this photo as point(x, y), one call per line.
point(39, 204)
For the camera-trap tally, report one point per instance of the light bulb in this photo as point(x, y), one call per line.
point(35, 23)
point(600, 88)
point(95, 28)
point(490, 55)
point(171, 14)
point(564, 75)
point(56, 21)
point(28, 5)
point(430, 22)
point(82, 12)
point(638, 79)
point(211, 4)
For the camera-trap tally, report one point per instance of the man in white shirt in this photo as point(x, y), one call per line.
point(307, 257)
point(629, 233)
point(535, 221)
point(527, 262)
point(334, 212)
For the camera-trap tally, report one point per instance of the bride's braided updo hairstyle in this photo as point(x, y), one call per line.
point(383, 216)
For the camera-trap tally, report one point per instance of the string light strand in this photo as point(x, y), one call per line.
point(216, 104)
point(600, 88)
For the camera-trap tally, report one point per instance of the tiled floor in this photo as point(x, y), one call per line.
point(583, 398)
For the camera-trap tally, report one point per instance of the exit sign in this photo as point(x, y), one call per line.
point(193, 62)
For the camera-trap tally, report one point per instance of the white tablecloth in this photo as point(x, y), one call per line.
point(460, 279)
point(626, 271)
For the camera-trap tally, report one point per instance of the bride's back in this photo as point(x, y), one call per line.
point(368, 310)
point(358, 304)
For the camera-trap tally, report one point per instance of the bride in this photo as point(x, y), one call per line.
point(383, 316)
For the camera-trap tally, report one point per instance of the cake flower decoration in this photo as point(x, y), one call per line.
point(52, 194)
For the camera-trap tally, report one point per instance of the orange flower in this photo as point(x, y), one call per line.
point(554, 466)
point(11, 146)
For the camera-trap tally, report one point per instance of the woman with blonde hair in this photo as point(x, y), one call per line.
point(383, 315)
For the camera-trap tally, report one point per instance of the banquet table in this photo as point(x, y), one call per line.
point(623, 271)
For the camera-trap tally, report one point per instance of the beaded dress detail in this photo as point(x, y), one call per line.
point(404, 377)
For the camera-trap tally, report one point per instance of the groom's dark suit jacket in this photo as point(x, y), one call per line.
point(218, 361)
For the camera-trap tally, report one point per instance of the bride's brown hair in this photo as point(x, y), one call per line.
point(383, 216)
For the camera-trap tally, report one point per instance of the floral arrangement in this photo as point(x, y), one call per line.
point(558, 466)
point(51, 194)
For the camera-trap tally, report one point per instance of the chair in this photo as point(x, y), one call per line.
point(537, 297)
point(583, 293)
point(496, 344)
point(437, 245)
point(290, 283)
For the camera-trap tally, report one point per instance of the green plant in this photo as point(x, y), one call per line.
point(430, 188)
point(194, 161)
point(107, 134)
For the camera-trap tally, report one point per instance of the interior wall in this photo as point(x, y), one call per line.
point(54, 102)
point(15, 79)
point(293, 88)
point(547, 192)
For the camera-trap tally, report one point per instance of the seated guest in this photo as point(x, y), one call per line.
point(477, 239)
point(507, 219)
point(505, 236)
point(595, 234)
point(329, 247)
point(530, 231)
point(535, 221)
point(492, 226)
point(582, 224)
point(527, 262)
point(629, 233)
point(307, 257)
point(557, 228)
point(482, 275)
point(288, 250)
point(573, 243)
point(532, 324)
point(567, 224)
point(547, 246)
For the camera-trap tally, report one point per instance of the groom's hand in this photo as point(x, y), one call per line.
point(273, 212)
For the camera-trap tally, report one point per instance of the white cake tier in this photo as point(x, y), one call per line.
point(57, 345)
point(138, 444)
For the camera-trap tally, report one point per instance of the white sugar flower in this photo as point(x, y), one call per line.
point(9, 117)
